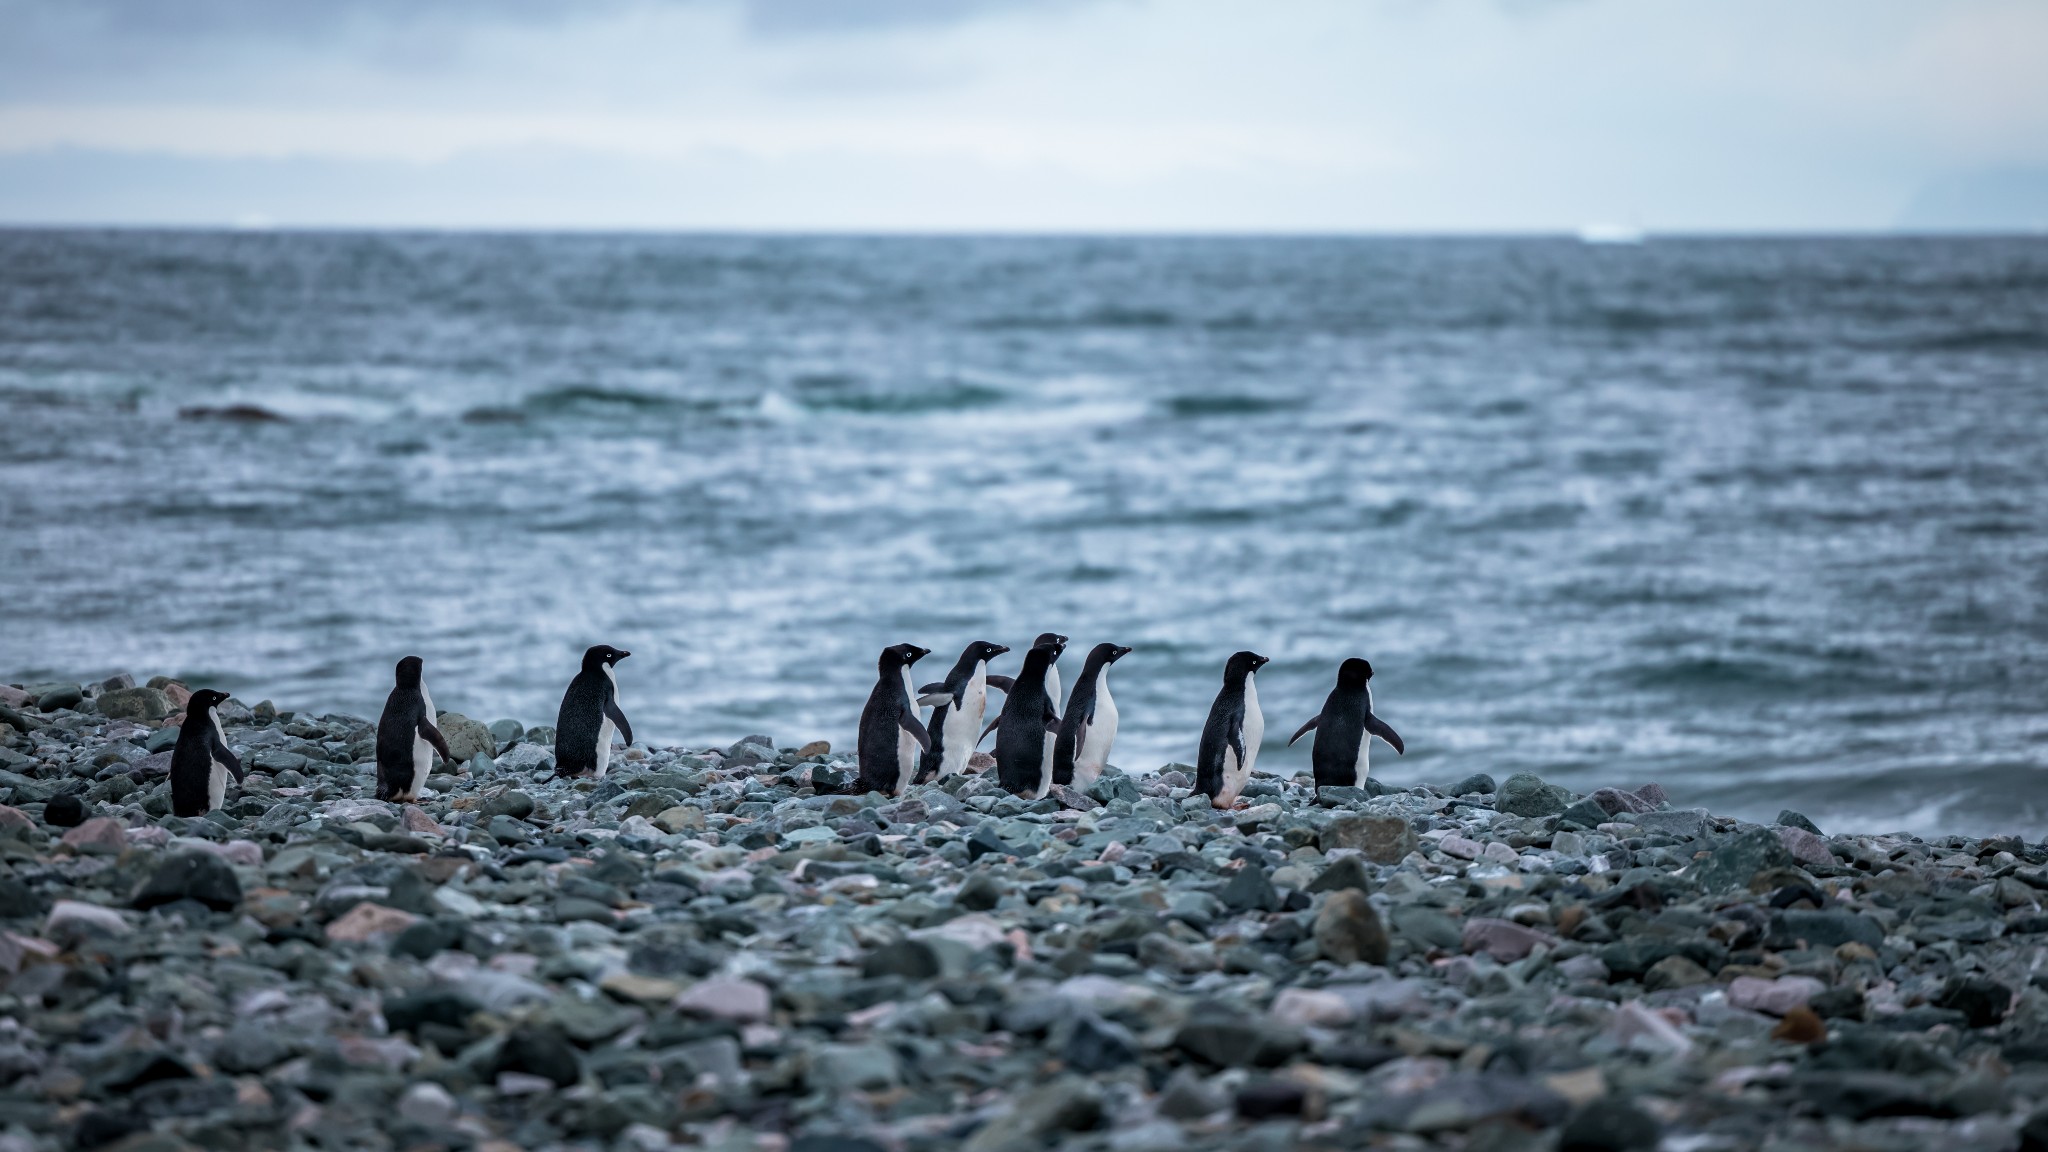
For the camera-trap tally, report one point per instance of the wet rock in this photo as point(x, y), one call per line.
point(1524, 794)
point(1609, 1125)
point(1381, 839)
point(1348, 929)
point(200, 876)
point(1477, 782)
point(467, 739)
point(64, 811)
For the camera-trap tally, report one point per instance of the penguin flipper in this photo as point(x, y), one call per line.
point(433, 736)
point(992, 726)
point(611, 709)
point(1004, 684)
point(1378, 727)
point(1303, 730)
point(910, 723)
point(1052, 720)
point(938, 699)
point(219, 751)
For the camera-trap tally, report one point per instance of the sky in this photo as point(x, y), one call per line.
point(1048, 115)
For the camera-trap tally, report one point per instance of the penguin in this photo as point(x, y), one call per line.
point(407, 737)
point(891, 735)
point(1345, 728)
point(1028, 724)
point(201, 762)
point(958, 703)
point(590, 712)
point(1089, 727)
point(1230, 740)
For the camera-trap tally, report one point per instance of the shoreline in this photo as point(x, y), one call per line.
point(699, 950)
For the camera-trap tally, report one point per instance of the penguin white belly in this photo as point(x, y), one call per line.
point(217, 774)
point(1364, 764)
point(422, 753)
point(604, 745)
point(1093, 754)
point(906, 744)
point(963, 724)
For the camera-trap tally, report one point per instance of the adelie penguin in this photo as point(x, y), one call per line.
point(891, 735)
point(201, 762)
point(589, 715)
point(1089, 727)
point(1345, 728)
point(1230, 740)
point(407, 737)
point(959, 703)
point(1028, 725)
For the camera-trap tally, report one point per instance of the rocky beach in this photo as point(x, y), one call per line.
point(701, 950)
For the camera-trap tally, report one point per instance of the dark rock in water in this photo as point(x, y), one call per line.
point(1265, 1099)
point(1525, 794)
point(1609, 1125)
point(1348, 930)
point(1982, 1000)
point(1223, 1037)
point(66, 811)
point(1791, 819)
point(1345, 873)
point(200, 876)
point(539, 1052)
point(909, 959)
point(1739, 858)
point(1251, 890)
point(1096, 1045)
point(1477, 782)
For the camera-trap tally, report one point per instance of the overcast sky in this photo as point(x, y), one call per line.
point(1259, 115)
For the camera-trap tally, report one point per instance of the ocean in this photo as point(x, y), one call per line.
point(1762, 520)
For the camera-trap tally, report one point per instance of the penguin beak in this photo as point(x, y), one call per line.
point(1122, 652)
point(1000, 649)
point(621, 656)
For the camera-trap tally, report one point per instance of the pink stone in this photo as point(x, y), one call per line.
point(1776, 997)
point(742, 1001)
point(12, 819)
point(1460, 847)
point(1303, 1007)
point(101, 833)
point(416, 821)
point(12, 697)
point(367, 921)
point(1805, 846)
point(1504, 940)
point(73, 920)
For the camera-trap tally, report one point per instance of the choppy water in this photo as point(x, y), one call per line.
point(1760, 520)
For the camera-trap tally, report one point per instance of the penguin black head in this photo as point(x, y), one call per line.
point(599, 656)
point(203, 701)
point(1051, 641)
point(1108, 653)
point(1243, 664)
point(902, 655)
point(409, 671)
point(1353, 672)
point(984, 650)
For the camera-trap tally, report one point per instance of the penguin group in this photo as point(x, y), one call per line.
point(1040, 744)
point(1041, 741)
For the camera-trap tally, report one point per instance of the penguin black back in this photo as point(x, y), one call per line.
point(590, 710)
point(201, 761)
point(407, 722)
point(1026, 719)
point(890, 716)
point(1231, 736)
point(1080, 713)
point(1345, 728)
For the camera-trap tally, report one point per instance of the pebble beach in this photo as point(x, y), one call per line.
point(709, 949)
